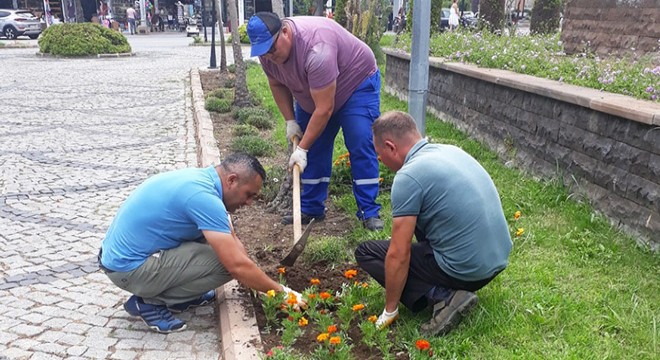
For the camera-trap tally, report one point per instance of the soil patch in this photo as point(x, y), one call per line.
point(267, 241)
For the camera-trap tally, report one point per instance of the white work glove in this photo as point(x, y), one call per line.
point(301, 303)
point(387, 318)
point(299, 157)
point(293, 129)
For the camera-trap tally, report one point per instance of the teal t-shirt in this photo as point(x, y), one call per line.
point(457, 208)
point(163, 212)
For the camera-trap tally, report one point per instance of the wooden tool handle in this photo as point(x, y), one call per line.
point(297, 225)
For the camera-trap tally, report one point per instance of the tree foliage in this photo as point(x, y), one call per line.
point(365, 20)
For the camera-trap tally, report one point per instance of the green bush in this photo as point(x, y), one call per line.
point(242, 35)
point(245, 130)
point(253, 145)
point(260, 122)
point(242, 114)
point(82, 39)
point(274, 177)
point(229, 83)
point(231, 68)
point(222, 93)
point(217, 105)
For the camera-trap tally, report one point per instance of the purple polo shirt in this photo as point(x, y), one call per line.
point(322, 51)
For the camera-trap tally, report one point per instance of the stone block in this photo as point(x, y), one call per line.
point(643, 192)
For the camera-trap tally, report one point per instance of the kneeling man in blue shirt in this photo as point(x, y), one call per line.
point(172, 243)
point(447, 200)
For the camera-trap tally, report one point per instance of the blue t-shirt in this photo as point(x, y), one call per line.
point(457, 208)
point(163, 212)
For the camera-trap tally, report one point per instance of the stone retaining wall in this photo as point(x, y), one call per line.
point(611, 26)
point(605, 146)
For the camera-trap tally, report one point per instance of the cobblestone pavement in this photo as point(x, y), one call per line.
point(77, 137)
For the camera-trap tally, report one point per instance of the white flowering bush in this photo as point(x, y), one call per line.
point(543, 56)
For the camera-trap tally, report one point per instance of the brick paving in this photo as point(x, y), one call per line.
point(77, 136)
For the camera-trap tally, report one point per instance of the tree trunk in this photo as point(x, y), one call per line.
point(545, 17)
point(223, 48)
point(278, 8)
point(79, 12)
point(491, 14)
point(241, 93)
point(320, 6)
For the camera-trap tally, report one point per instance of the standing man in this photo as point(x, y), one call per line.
point(172, 243)
point(130, 16)
point(446, 199)
point(334, 79)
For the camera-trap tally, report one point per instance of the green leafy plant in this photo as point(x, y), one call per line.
point(82, 39)
point(242, 114)
point(242, 33)
point(197, 39)
point(260, 121)
point(217, 105)
point(222, 93)
point(253, 145)
point(244, 130)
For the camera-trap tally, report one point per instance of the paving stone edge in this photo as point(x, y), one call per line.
point(238, 328)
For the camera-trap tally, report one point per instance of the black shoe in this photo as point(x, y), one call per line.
point(448, 314)
point(304, 219)
point(373, 223)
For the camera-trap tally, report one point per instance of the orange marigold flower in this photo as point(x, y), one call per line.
point(322, 337)
point(517, 214)
point(422, 344)
point(303, 321)
point(358, 307)
point(292, 299)
point(335, 340)
point(270, 293)
point(520, 231)
point(281, 270)
point(337, 163)
point(351, 273)
point(325, 295)
point(311, 296)
point(348, 163)
point(373, 318)
point(315, 281)
point(332, 329)
point(290, 318)
point(365, 285)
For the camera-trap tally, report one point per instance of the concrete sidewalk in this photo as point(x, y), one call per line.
point(78, 136)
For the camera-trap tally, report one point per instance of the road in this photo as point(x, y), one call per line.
point(77, 136)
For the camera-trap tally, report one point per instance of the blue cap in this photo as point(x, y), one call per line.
point(261, 29)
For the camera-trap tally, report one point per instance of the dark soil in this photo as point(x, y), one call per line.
point(268, 241)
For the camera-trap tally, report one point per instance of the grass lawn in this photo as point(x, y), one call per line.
point(575, 287)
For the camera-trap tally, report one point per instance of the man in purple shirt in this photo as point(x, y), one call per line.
point(333, 77)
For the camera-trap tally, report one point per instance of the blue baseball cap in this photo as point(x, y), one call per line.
point(261, 29)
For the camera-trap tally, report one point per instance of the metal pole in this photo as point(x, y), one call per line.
point(213, 64)
point(418, 83)
point(204, 20)
point(143, 13)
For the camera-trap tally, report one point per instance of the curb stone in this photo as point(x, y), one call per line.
point(97, 56)
point(239, 332)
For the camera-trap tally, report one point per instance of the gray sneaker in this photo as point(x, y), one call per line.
point(448, 314)
point(373, 224)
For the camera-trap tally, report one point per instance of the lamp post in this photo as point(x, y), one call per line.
point(213, 64)
point(204, 20)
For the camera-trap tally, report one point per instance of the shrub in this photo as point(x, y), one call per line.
point(253, 145)
point(82, 39)
point(243, 37)
point(229, 83)
point(217, 105)
point(262, 122)
point(245, 130)
point(222, 93)
point(242, 114)
point(275, 175)
point(231, 68)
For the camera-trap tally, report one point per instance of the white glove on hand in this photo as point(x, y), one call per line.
point(293, 129)
point(301, 303)
point(387, 318)
point(299, 157)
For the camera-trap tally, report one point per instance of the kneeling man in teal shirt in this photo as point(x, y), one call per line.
point(444, 197)
point(172, 243)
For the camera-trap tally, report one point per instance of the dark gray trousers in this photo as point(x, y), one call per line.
point(174, 276)
point(423, 275)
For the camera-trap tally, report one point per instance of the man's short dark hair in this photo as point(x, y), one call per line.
point(234, 161)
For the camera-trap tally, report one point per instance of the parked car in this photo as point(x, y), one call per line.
point(444, 19)
point(191, 27)
point(15, 23)
point(469, 19)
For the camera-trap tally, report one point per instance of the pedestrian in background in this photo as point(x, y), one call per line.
point(447, 200)
point(453, 16)
point(333, 77)
point(172, 242)
point(130, 16)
